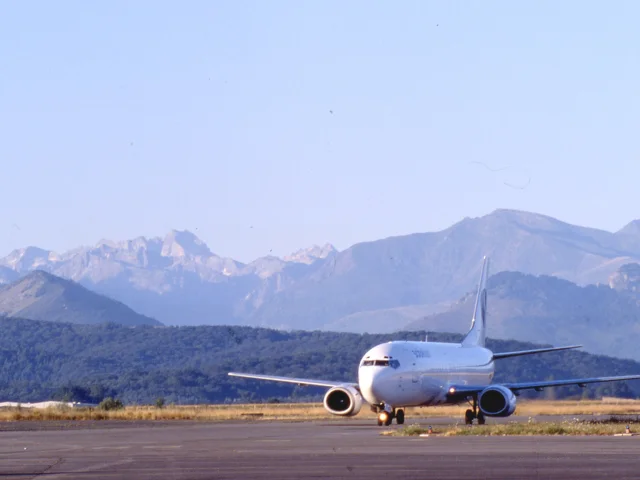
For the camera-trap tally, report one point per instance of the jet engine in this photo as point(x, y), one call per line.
point(343, 400)
point(497, 401)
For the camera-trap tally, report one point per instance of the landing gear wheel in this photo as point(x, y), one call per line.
point(400, 417)
point(384, 418)
point(468, 417)
point(480, 419)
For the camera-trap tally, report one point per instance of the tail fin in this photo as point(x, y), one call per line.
point(476, 335)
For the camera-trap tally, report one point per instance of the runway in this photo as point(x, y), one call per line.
point(290, 450)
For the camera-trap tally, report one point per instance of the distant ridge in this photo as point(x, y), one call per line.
point(43, 296)
point(548, 309)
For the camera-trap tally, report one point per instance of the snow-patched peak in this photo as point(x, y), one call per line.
point(28, 258)
point(311, 254)
point(184, 244)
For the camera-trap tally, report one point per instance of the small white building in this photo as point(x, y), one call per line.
point(49, 404)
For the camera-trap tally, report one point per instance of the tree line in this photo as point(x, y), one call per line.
point(189, 365)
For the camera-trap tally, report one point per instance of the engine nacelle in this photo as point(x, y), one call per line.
point(343, 400)
point(497, 401)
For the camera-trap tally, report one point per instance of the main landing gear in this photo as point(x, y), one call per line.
point(469, 415)
point(387, 414)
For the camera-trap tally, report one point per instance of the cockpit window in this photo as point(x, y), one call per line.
point(381, 363)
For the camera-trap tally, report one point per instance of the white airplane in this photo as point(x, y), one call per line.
point(400, 374)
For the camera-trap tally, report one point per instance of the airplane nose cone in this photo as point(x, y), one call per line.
point(369, 381)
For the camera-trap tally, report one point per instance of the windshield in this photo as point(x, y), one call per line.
point(381, 363)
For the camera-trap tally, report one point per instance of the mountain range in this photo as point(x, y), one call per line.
point(370, 286)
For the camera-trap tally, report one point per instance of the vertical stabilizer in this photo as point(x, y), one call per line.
point(476, 335)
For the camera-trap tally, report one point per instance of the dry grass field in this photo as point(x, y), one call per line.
point(611, 426)
point(306, 411)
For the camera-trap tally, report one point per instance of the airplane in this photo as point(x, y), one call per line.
point(400, 374)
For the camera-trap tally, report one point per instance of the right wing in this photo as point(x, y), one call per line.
point(463, 391)
point(559, 383)
point(298, 381)
point(497, 356)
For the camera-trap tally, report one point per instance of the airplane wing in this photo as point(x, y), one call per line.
point(297, 381)
point(559, 383)
point(467, 390)
point(497, 356)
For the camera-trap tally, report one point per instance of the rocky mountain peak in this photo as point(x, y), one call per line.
point(311, 254)
point(28, 258)
point(184, 244)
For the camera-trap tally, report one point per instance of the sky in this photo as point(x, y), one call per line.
point(272, 126)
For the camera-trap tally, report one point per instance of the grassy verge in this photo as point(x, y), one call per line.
point(202, 413)
point(611, 426)
point(302, 411)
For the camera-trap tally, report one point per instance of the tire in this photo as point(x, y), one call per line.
point(400, 417)
point(468, 417)
point(384, 418)
point(480, 419)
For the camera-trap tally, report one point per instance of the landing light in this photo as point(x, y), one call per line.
point(452, 390)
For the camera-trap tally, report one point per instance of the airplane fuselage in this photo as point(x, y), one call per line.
point(407, 374)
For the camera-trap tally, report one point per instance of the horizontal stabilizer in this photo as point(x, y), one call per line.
point(497, 356)
point(297, 381)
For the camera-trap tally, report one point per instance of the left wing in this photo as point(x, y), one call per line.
point(466, 390)
point(298, 381)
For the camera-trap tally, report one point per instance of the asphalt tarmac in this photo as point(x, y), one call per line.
point(292, 450)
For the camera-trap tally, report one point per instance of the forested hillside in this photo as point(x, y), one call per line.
point(42, 360)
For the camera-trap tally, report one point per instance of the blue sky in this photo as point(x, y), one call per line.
point(312, 121)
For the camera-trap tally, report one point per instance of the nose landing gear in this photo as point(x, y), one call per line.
point(386, 416)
